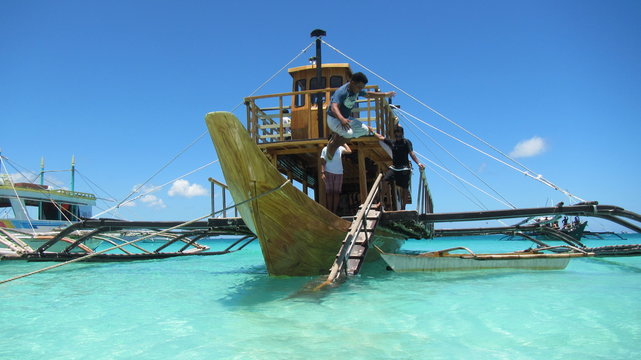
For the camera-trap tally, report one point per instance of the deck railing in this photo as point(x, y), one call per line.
point(269, 117)
point(224, 190)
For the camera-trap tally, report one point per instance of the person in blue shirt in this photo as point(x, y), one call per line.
point(339, 114)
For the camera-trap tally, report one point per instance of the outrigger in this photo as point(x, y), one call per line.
point(282, 140)
point(280, 145)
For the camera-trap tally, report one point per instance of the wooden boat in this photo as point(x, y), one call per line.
point(298, 236)
point(444, 260)
point(282, 140)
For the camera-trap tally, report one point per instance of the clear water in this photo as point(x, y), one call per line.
point(226, 307)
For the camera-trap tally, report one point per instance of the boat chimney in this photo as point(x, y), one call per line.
point(318, 34)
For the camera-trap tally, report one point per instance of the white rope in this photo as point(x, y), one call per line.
point(154, 189)
point(456, 159)
point(144, 237)
point(205, 132)
point(527, 171)
point(277, 72)
point(474, 200)
point(24, 210)
point(465, 181)
point(538, 177)
point(162, 168)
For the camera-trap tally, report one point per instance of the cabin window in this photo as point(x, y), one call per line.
point(313, 85)
point(300, 85)
point(335, 81)
point(51, 211)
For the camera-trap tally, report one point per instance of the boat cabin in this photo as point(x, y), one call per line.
point(291, 129)
point(26, 205)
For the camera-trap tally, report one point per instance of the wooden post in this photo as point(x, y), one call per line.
point(213, 203)
point(249, 116)
point(280, 109)
point(255, 124)
point(362, 173)
point(224, 204)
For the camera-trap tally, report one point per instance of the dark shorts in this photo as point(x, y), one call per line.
point(333, 182)
point(401, 178)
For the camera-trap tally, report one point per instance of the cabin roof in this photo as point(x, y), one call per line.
point(66, 196)
point(313, 67)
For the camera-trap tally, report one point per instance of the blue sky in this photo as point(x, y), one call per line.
point(125, 85)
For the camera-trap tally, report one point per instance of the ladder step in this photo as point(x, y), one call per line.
point(357, 254)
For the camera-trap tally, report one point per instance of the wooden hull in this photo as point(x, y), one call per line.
point(452, 262)
point(298, 236)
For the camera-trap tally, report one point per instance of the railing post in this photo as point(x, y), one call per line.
point(213, 192)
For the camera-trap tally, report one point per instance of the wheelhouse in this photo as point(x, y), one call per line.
point(291, 129)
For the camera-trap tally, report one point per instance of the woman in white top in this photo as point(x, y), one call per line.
point(332, 175)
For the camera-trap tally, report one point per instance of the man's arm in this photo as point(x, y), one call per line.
point(378, 94)
point(416, 160)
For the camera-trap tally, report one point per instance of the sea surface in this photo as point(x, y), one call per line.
point(227, 307)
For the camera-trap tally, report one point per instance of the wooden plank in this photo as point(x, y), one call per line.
point(362, 174)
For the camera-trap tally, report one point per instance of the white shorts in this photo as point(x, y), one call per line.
point(356, 127)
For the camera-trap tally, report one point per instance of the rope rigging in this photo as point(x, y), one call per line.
point(505, 201)
point(199, 137)
point(526, 171)
point(146, 236)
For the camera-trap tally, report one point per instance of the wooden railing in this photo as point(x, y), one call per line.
point(224, 189)
point(424, 205)
point(269, 122)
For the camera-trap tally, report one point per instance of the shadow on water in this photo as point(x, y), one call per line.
point(614, 264)
point(262, 288)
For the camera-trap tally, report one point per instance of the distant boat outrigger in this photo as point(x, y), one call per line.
point(40, 211)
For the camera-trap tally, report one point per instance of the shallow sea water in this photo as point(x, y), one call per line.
point(227, 307)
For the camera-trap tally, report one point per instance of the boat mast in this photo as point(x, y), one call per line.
point(42, 171)
point(73, 172)
point(318, 33)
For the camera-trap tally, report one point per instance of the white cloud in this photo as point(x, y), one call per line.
point(183, 188)
point(153, 201)
point(530, 147)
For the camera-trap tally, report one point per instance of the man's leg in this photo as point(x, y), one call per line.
point(404, 198)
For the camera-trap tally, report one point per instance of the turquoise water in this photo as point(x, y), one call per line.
point(226, 307)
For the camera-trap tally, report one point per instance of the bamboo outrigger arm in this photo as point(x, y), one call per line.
point(608, 212)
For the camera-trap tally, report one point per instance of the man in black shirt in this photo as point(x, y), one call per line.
point(400, 172)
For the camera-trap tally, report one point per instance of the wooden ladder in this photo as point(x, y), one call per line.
point(352, 253)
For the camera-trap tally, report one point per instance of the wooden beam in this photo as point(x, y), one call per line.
point(362, 174)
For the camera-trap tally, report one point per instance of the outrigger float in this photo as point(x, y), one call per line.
point(282, 141)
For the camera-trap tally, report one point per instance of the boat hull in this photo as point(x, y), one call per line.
point(297, 236)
